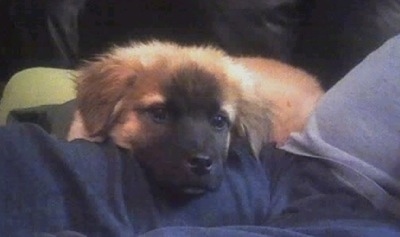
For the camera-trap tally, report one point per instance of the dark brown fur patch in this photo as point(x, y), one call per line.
point(192, 88)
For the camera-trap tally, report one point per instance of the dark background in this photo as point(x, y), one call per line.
point(325, 37)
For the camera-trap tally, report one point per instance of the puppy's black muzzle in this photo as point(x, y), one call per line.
point(188, 159)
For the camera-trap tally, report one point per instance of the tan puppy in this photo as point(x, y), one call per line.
point(176, 108)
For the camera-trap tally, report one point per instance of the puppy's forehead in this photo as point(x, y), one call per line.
point(192, 86)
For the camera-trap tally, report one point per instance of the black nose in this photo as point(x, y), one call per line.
point(200, 164)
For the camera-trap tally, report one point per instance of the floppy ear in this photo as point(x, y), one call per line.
point(277, 99)
point(254, 122)
point(101, 86)
point(254, 117)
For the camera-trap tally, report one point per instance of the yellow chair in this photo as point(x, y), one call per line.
point(36, 86)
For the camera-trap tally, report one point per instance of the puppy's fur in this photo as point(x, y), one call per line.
point(175, 108)
point(288, 93)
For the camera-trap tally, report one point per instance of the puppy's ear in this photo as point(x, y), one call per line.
point(101, 86)
point(254, 123)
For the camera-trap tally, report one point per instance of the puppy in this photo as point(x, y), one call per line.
point(176, 108)
point(173, 107)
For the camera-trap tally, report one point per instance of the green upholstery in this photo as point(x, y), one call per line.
point(37, 86)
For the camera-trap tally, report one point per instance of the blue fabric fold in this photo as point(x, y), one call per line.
point(356, 128)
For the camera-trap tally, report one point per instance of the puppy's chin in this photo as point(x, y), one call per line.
point(190, 190)
point(189, 185)
point(194, 190)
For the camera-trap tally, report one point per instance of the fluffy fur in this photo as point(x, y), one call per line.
point(283, 94)
point(176, 108)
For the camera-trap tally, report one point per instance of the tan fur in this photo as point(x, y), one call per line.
point(266, 99)
point(284, 94)
point(108, 81)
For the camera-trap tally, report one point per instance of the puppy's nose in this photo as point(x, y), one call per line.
point(200, 164)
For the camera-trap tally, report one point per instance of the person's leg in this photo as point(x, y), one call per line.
point(356, 128)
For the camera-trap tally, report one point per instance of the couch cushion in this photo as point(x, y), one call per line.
point(36, 86)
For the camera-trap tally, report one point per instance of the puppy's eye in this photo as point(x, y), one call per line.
point(219, 121)
point(159, 115)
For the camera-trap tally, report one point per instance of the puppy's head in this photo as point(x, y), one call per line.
point(172, 106)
